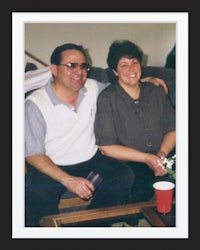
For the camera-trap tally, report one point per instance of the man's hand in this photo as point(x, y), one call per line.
point(156, 81)
point(80, 186)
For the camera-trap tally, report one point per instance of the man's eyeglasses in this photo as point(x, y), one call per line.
point(72, 66)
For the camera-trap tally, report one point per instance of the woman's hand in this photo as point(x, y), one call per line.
point(153, 162)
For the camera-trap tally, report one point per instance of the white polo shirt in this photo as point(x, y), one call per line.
point(67, 135)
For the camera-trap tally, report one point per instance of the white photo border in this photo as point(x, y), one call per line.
point(181, 230)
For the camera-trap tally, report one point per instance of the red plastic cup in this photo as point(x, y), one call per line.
point(164, 196)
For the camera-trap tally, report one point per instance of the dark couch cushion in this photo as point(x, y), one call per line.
point(167, 74)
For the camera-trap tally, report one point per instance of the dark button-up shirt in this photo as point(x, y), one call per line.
point(140, 124)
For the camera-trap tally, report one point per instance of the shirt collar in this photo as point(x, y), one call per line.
point(56, 101)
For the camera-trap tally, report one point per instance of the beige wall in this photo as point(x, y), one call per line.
point(156, 39)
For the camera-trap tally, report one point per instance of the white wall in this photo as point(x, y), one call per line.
point(156, 39)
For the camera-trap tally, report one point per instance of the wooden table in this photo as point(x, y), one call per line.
point(80, 218)
point(157, 219)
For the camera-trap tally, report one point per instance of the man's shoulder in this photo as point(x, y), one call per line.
point(38, 96)
point(36, 92)
point(91, 84)
point(90, 81)
point(108, 91)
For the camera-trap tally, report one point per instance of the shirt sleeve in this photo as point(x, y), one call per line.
point(37, 78)
point(35, 129)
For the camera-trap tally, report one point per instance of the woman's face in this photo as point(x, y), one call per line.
point(128, 71)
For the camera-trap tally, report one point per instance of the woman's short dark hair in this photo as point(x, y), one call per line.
point(123, 48)
point(56, 55)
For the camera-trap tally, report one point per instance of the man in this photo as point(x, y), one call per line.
point(60, 148)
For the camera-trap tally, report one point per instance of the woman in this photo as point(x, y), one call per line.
point(135, 122)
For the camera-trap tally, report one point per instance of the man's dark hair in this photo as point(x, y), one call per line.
point(56, 55)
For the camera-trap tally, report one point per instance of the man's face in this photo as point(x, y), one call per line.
point(72, 71)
